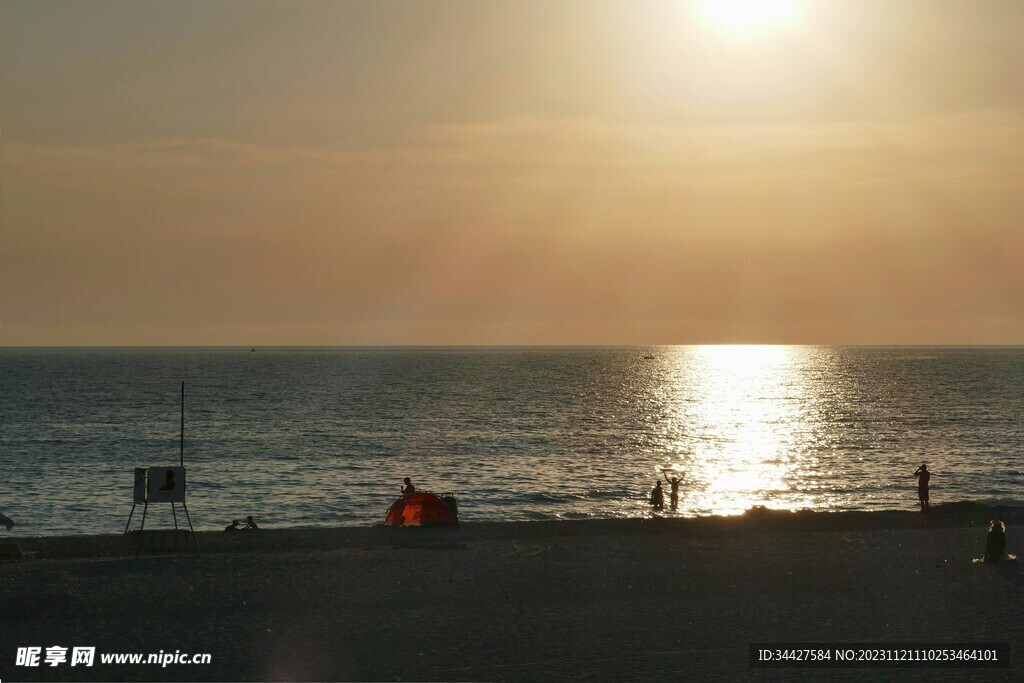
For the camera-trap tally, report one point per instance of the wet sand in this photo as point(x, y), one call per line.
point(656, 599)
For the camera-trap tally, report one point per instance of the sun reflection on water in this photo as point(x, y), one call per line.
point(748, 402)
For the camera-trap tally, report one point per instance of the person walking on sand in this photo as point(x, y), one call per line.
point(408, 489)
point(673, 495)
point(923, 477)
point(658, 496)
point(995, 544)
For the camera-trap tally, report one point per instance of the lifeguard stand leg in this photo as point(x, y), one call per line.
point(145, 508)
point(194, 538)
point(129, 520)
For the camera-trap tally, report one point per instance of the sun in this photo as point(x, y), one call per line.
point(750, 16)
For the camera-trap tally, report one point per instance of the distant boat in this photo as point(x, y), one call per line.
point(252, 350)
point(648, 357)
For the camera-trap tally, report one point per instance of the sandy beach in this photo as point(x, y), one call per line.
point(652, 599)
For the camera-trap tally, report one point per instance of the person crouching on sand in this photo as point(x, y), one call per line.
point(233, 526)
point(658, 496)
point(995, 544)
point(250, 523)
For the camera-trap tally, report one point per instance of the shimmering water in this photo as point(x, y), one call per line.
point(307, 437)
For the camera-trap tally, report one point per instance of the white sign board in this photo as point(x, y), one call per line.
point(166, 485)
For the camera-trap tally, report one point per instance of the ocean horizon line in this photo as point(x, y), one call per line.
point(509, 346)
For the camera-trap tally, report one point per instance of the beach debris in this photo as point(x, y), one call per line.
point(526, 551)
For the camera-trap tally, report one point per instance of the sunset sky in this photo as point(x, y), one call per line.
point(511, 172)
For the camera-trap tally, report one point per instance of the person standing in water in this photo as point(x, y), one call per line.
point(658, 496)
point(673, 491)
point(923, 477)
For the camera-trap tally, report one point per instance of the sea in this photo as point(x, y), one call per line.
point(312, 437)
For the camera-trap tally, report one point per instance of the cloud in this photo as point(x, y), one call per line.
point(523, 230)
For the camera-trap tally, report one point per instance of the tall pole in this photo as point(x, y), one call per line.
point(182, 447)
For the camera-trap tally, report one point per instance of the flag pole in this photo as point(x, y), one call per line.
point(182, 443)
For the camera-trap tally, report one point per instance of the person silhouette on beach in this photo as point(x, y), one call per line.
point(673, 491)
point(250, 523)
point(923, 477)
point(233, 526)
point(399, 506)
point(658, 496)
point(995, 543)
point(169, 484)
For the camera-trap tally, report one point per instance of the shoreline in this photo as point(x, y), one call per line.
point(755, 521)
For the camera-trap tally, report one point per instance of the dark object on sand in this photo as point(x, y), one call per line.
point(10, 551)
point(452, 504)
point(423, 509)
point(995, 544)
point(6, 521)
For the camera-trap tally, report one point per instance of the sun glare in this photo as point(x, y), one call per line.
point(750, 16)
point(746, 400)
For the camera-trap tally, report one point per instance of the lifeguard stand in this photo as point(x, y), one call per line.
point(162, 485)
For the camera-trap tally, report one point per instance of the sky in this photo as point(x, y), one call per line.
point(543, 172)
